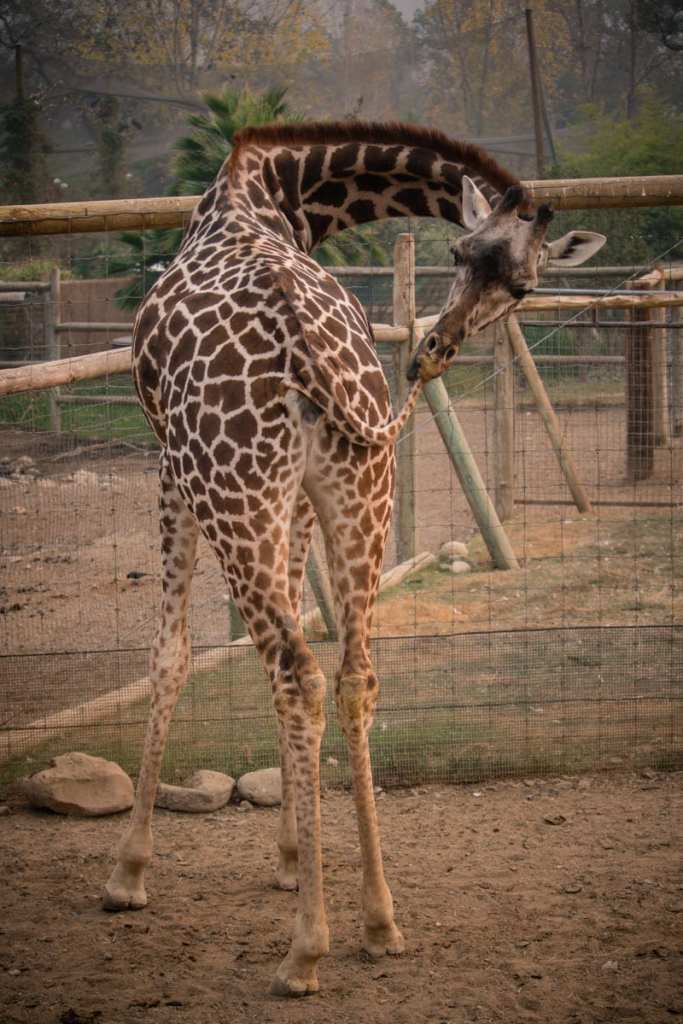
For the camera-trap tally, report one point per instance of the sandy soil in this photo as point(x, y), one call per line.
point(555, 900)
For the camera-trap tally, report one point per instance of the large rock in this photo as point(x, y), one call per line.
point(263, 787)
point(205, 791)
point(451, 550)
point(80, 784)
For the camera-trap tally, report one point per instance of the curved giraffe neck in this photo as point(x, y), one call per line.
point(309, 182)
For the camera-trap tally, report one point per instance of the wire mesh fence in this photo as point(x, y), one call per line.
point(572, 661)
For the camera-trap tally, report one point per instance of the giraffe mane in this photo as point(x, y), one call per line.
point(474, 158)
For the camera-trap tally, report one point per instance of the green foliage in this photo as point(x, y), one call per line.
point(31, 270)
point(649, 143)
point(200, 155)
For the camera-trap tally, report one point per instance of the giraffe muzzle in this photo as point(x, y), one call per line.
point(431, 357)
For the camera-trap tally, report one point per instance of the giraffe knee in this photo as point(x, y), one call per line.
point(351, 696)
point(313, 690)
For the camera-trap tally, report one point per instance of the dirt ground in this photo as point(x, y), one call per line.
point(554, 900)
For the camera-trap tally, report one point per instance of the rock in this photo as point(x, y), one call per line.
point(451, 550)
point(457, 568)
point(263, 787)
point(4, 809)
point(80, 784)
point(244, 805)
point(205, 791)
point(554, 819)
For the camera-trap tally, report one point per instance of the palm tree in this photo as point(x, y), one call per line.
point(199, 157)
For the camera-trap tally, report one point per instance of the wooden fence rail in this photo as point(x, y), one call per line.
point(174, 211)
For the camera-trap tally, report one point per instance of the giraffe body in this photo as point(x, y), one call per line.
point(258, 374)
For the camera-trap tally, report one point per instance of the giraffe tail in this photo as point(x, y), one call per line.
point(351, 425)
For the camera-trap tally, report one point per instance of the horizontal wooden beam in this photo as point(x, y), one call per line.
point(37, 376)
point(85, 327)
point(174, 211)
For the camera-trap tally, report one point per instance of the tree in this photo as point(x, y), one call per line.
point(663, 18)
point(649, 143)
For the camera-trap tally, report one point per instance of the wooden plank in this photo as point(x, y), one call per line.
point(404, 317)
point(174, 211)
point(550, 420)
point(469, 476)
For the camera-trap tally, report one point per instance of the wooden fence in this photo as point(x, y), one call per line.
point(643, 370)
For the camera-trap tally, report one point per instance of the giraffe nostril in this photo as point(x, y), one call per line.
point(432, 344)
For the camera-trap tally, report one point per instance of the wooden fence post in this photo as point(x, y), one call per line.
point(676, 371)
point(52, 344)
point(660, 377)
point(550, 420)
point(404, 316)
point(504, 414)
point(640, 403)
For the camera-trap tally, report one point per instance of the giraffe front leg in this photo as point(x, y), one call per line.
point(169, 663)
point(355, 697)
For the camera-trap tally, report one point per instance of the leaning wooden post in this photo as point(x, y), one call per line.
point(320, 585)
point(550, 420)
point(404, 316)
point(504, 414)
point(237, 627)
point(52, 345)
point(640, 421)
point(469, 476)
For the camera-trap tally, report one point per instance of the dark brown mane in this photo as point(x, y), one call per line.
point(333, 133)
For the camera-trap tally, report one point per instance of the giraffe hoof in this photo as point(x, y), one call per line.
point(121, 897)
point(288, 883)
point(294, 987)
point(379, 942)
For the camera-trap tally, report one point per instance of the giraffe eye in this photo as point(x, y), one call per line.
point(518, 291)
point(457, 258)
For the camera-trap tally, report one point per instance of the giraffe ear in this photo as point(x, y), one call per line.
point(574, 248)
point(475, 205)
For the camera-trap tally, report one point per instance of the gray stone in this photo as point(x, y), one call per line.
point(452, 549)
point(263, 787)
point(457, 568)
point(206, 791)
point(77, 783)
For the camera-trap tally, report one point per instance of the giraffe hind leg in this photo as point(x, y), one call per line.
point(169, 663)
point(286, 875)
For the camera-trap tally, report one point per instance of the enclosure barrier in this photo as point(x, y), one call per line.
point(405, 331)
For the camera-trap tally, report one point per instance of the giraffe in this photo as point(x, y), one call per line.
point(257, 373)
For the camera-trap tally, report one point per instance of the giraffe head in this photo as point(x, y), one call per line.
point(496, 264)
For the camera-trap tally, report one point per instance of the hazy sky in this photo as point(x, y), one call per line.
point(408, 7)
